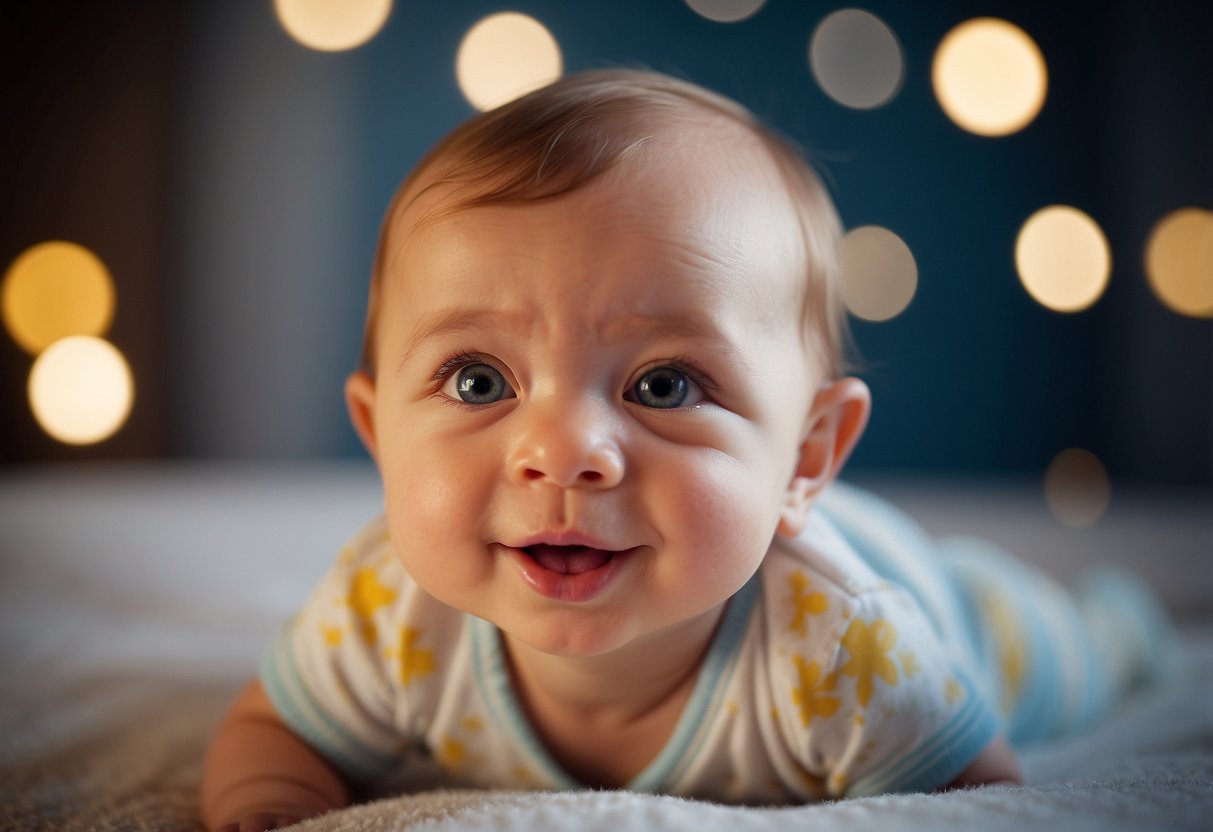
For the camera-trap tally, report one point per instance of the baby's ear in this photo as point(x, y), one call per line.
point(836, 421)
point(360, 402)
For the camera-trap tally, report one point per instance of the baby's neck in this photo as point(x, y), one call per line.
point(604, 718)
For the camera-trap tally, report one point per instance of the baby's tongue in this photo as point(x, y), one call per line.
point(569, 560)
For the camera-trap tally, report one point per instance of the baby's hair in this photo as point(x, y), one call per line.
point(560, 137)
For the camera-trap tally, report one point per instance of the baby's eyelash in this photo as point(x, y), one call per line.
point(692, 369)
point(454, 363)
point(683, 363)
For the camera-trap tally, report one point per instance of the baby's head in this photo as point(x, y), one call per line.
point(602, 360)
point(564, 136)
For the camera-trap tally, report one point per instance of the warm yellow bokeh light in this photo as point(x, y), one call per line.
point(1077, 488)
point(53, 290)
point(505, 56)
point(81, 390)
point(726, 11)
point(1063, 258)
point(1179, 262)
point(332, 25)
point(879, 275)
point(989, 76)
point(856, 59)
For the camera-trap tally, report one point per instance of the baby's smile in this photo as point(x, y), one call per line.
point(568, 567)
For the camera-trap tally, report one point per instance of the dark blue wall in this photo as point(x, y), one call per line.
point(234, 181)
point(974, 375)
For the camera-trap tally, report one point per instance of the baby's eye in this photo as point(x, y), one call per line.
point(478, 384)
point(665, 388)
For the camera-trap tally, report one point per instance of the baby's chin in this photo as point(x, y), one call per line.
point(563, 636)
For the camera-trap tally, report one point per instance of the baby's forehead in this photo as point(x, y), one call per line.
point(675, 233)
point(698, 157)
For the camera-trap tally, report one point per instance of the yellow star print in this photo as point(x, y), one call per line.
point(953, 692)
point(804, 603)
point(811, 696)
point(1009, 644)
point(838, 782)
point(368, 594)
point(332, 636)
point(453, 755)
point(415, 662)
point(868, 646)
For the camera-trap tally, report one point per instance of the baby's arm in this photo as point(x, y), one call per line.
point(259, 775)
point(995, 765)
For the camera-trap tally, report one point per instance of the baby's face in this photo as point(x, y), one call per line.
point(587, 411)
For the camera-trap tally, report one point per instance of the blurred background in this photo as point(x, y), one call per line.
point(196, 189)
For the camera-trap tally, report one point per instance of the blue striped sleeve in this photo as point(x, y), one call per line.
point(939, 758)
point(910, 717)
point(300, 709)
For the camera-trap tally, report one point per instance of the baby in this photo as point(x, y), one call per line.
point(603, 383)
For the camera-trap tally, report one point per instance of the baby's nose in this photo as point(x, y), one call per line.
point(569, 450)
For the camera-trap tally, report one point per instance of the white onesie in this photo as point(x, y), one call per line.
point(824, 679)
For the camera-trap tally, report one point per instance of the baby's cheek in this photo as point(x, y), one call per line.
point(729, 514)
point(429, 504)
point(428, 516)
point(408, 488)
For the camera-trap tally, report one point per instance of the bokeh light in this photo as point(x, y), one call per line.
point(879, 275)
point(1077, 488)
point(504, 56)
point(1179, 262)
point(1063, 258)
point(856, 59)
point(53, 290)
point(332, 25)
point(990, 77)
point(81, 390)
point(726, 11)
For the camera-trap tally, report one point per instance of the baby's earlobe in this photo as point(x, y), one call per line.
point(795, 510)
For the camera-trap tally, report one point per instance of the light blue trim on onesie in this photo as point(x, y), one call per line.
point(298, 708)
point(710, 688)
point(1040, 705)
point(941, 759)
point(493, 680)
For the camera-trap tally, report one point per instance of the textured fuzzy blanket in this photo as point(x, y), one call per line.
point(121, 752)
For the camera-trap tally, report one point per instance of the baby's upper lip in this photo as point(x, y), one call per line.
point(568, 537)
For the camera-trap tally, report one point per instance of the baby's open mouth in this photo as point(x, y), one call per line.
point(569, 560)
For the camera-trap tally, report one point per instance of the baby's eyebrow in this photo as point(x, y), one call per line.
point(644, 327)
point(453, 322)
point(701, 330)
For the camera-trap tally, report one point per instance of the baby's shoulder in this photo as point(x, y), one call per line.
point(822, 554)
point(368, 582)
point(816, 585)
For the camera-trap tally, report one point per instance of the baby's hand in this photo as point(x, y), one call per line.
point(258, 775)
point(261, 822)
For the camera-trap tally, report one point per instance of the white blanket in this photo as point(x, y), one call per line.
point(135, 601)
